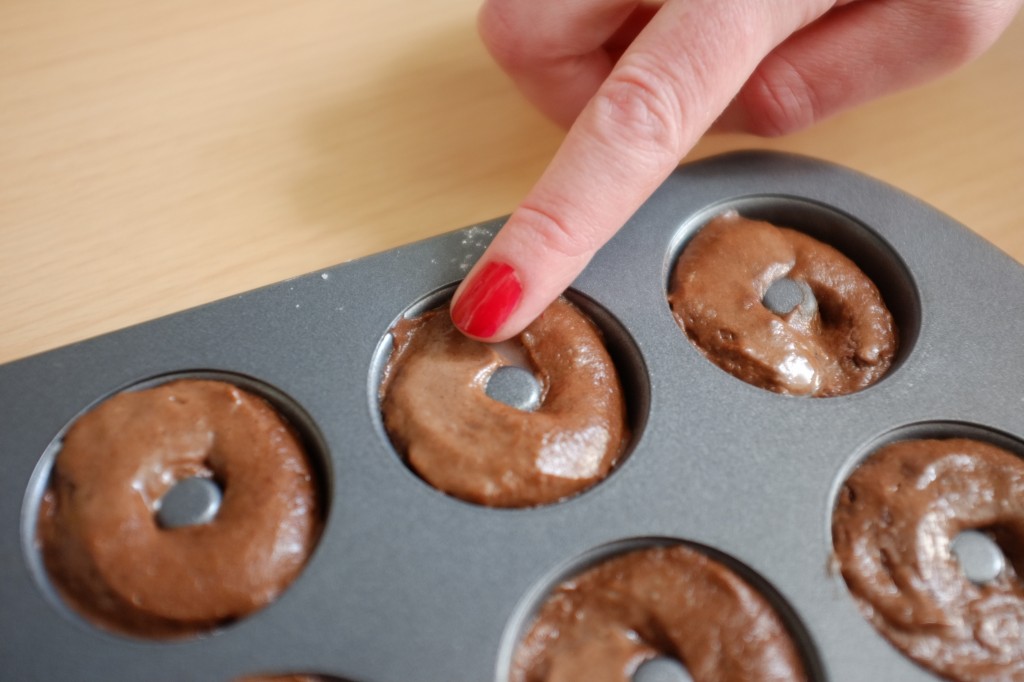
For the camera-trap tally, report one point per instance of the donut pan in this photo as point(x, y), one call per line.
point(410, 585)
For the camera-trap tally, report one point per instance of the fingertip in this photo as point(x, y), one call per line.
point(515, 280)
point(486, 299)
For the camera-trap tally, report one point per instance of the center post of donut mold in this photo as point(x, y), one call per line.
point(661, 669)
point(514, 384)
point(785, 295)
point(190, 502)
point(981, 559)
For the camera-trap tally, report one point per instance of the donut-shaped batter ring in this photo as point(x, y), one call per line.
point(461, 441)
point(601, 625)
point(716, 294)
point(892, 529)
point(99, 537)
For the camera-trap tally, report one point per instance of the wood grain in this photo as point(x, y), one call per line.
point(159, 155)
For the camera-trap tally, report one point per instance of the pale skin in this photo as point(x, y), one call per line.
point(637, 84)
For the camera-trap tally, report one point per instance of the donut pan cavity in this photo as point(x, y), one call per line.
point(410, 585)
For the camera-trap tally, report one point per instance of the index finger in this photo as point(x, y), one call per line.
point(661, 96)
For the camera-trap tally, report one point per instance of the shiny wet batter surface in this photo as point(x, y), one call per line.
point(601, 625)
point(843, 344)
point(441, 420)
point(98, 532)
point(893, 528)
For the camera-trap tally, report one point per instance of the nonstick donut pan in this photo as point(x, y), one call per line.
point(408, 584)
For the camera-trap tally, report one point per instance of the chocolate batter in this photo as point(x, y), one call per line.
point(716, 294)
point(461, 441)
point(106, 553)
point(666, 601)
point(892, 529)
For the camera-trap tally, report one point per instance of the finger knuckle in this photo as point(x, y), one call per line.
point(639, 105)
point(779, 98)
point(551, 234)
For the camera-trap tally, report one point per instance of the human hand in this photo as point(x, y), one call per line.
point(640, 83)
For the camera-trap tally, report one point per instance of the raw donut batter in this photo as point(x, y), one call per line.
point(893, 528)
point(461, 441)
point(601, 625)
point(842, 343)
point(99, 536)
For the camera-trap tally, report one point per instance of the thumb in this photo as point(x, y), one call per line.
point(666, 90)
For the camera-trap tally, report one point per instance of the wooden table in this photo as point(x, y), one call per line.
point(158, 155)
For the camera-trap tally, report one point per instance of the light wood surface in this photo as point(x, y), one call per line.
point(158, 155)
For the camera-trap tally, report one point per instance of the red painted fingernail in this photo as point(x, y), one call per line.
point(489, 298)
